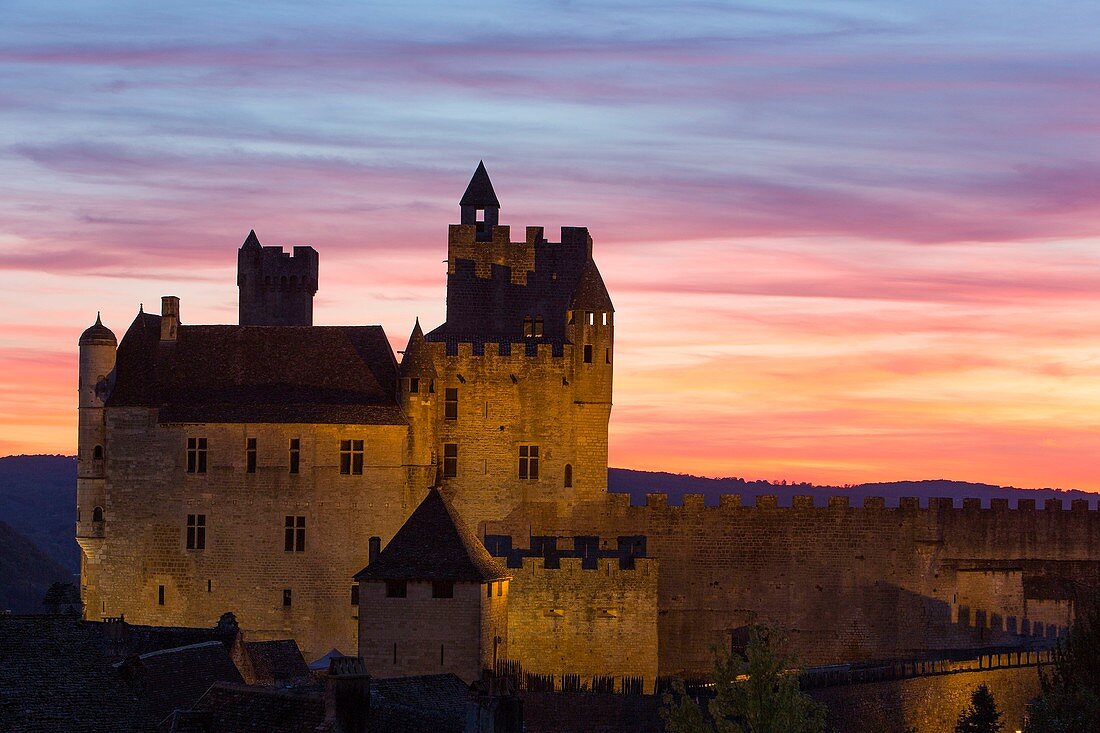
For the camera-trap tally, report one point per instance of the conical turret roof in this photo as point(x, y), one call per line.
point(480, 194)
point(98, 332)
point(417, 360)
point(434, 544)
point(251, 241)
point(591, 293)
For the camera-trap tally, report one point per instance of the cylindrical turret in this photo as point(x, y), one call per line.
point(97, 376)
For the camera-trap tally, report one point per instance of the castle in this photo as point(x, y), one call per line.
point(260, 467)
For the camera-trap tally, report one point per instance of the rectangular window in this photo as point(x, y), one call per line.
point(160, 595)
point(250, 454)
point(209, 585)
point(414, 385)
point(591, 318)
point(450, 403)
point(604, 314)
point(607, 356)
point(286, 598)
point(355, 595)
point(196, 455)
point(529, 462)
point(196, 531)
point(295, 454)
point(488, 590)
point(443, 589)
point(500, 587)
point(450, 460)
point(396, 589)
point(588, 353)
point(351, 457)
point(294, 534)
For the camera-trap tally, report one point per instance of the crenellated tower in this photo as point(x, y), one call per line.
point(524, 361)
point(275, 288)
point(95, 380)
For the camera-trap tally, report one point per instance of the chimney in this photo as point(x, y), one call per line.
point(169, 317)
point(347, 695)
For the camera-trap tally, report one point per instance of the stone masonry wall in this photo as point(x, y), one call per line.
point(599, 621)
point(244, 567)
point(851, 583)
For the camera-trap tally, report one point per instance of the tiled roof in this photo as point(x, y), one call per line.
point(591, 293)
point(54, 677)
point(234, 708)
point(172, 679)
point(480, 193)
point(122, 640)
point(307, 374)
point(276, 662)
point(434, 544)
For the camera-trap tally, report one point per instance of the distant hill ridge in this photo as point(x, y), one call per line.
point(675, 485)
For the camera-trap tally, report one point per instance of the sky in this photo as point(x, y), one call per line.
point(846, 241)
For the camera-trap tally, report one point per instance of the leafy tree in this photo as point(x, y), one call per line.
point(63, 597)
point(758, 693)
point(1069, 697)
point(982, 715)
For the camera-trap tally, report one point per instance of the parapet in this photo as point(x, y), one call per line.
point(552, 550)
point(659, 502)
point(641, 567)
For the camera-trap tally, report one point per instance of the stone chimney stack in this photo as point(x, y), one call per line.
point(347, 695)
point(169, 317)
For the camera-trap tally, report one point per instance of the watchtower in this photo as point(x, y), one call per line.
point(276, 288)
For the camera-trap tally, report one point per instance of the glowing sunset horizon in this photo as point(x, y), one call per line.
point(845, 245)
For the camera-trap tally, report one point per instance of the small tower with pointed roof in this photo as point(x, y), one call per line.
point(275, 288)
point(434, 601)
point(416, 377)
point(479, 205)
point(98, 346)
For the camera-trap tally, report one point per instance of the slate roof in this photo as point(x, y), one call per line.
point(480, 194)
point(591, 293)
point(417, 360)
point(122, 640)
point(98, 332)
point(172, 679)
point(54, 676)
point(276, 662)
point(259, 374)
point(235, 708)
point(434, 544)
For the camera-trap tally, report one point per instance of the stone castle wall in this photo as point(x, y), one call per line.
point(599, 621)
point(244, 566)
point(850, 583)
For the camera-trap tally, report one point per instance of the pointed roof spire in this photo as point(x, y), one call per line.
point(417, 361)
point(251, 241)
point(434, 544)
point(480, 194)
point(591, 293)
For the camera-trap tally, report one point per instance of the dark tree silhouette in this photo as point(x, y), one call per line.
point(981, 716)
point(1069, 698)
point(63, 598)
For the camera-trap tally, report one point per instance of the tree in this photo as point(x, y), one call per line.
point(982, 715)
point(757, 693)
point(63, 597)
point(1069, 697)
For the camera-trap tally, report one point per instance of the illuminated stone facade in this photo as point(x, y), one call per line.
point(316, 446)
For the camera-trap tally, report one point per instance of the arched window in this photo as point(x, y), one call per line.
point(568, 475)
point(97, 453)
point(538, 325)
point(97, 514)
point(528, 327)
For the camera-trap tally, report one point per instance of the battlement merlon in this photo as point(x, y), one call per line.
point(656, 501)
point(464, 243)
point(640, 567)
point(271, 264)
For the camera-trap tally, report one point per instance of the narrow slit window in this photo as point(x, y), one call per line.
point(591, 318)
point(294, 534)
point(528, 327)
point(295, 454)
point(450, 460)
point(196, 531)
point(355, 595)
point(607, 356)
point(250, 455)
point(287, 598)
point(604, 315)
point(588, 353)
point(196, 455)
point(539, 324)
point(450, 403)
point(568, 476)
point(160, 595)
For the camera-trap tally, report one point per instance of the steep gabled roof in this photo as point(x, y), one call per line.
point(480, 194)
point(434, 544)
point(417, 361)
point(591, 293)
